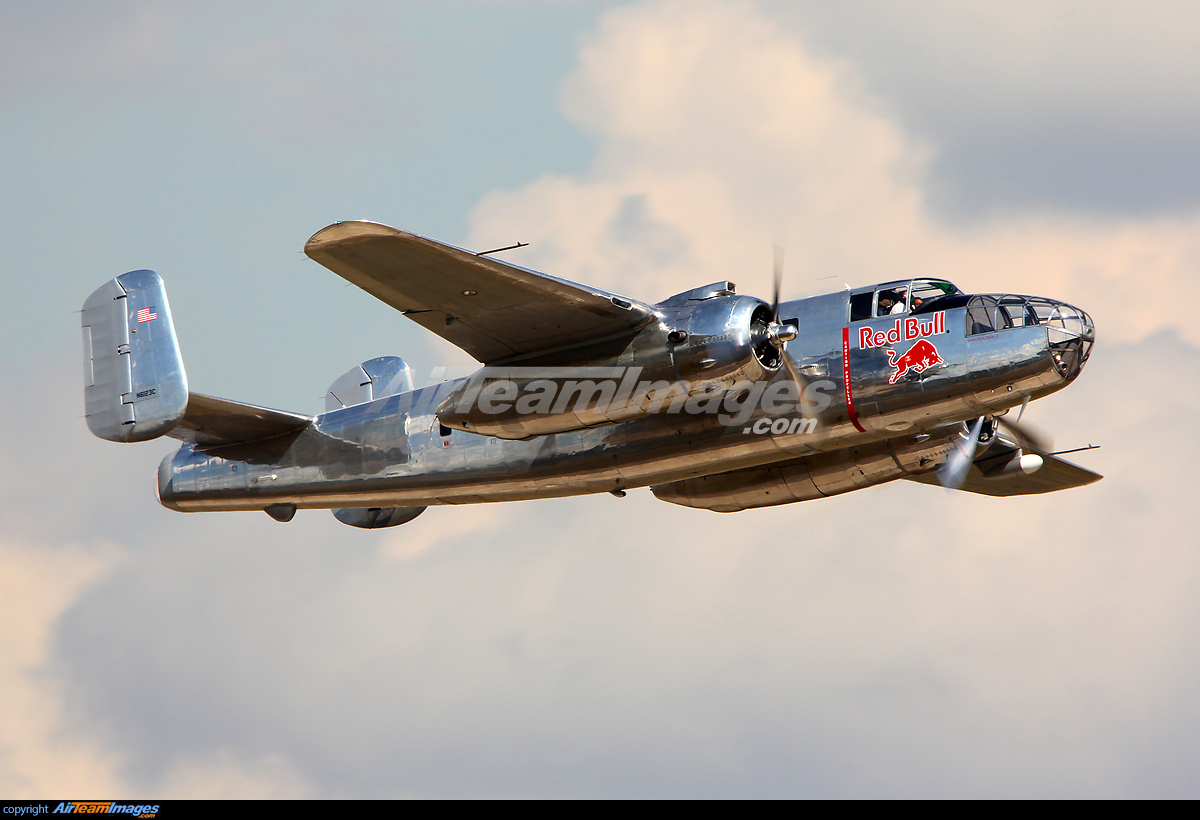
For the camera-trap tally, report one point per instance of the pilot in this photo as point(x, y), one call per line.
point(890, 302)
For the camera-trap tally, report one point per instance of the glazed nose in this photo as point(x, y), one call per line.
point(1071, 333)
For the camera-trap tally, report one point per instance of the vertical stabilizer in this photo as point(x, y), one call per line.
point(134, 384)
point(371, 380)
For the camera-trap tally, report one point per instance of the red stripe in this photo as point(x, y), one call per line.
point(846, 376)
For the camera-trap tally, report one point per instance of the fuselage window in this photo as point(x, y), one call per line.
point(1041, 311)
point(1010, 313)
point(986, 314)
point(981, 311)
point(860, 306)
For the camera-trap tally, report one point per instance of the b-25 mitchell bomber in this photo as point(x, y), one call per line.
point(712, 399)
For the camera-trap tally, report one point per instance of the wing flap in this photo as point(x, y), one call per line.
point(209, 421)
point(492, 310)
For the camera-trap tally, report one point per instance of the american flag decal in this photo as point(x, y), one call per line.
point(147, 314)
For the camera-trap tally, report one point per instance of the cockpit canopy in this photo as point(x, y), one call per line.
point(907, 296)
point(1071, 332)
point(989, 313)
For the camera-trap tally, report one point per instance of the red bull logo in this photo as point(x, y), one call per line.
point(919, 358)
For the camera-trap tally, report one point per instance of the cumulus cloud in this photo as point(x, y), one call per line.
point(713, 125)
point(1081, 106)
point(902, 640)
point(35, 588)
point(897, 641)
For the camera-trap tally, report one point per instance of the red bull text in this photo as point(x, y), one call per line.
point(905, 330)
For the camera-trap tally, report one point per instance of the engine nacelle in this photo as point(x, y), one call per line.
point(699, 347)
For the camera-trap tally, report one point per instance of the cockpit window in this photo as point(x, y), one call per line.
point(916, 296)
point(925, 291)
point(890, 301)
point(1069, 330)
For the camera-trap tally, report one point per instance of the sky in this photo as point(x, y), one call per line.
point(901, 641)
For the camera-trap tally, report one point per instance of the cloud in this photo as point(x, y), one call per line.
point(713, 125)
point(271, 71)
point(1058, 106)
point(898, 641)
point(902, 640)
point(35, 588)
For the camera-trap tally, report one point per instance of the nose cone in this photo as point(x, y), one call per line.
point(1071, 335)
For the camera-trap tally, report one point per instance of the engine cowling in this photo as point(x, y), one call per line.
point(701, 346)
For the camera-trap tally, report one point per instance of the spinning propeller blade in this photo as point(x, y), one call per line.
point(1029, 438)
point(954, 471)
point(781, 334)
point(778, 249)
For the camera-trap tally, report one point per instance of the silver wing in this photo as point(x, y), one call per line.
point(494, 311)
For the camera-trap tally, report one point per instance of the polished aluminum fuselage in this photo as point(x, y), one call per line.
point(394, 452)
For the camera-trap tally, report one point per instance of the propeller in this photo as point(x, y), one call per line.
point(779, 334)
point(775, 332)
point(1033, 447)
point(1030, 439)
point(954, 472)
point(778, 270)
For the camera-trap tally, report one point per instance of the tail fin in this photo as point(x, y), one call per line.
point(134, 386)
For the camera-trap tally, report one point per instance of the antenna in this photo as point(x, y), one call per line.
point(505, 248)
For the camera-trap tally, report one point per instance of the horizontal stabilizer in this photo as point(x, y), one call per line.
point(210, 422)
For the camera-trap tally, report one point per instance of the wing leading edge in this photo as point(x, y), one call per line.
point(492, 310)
